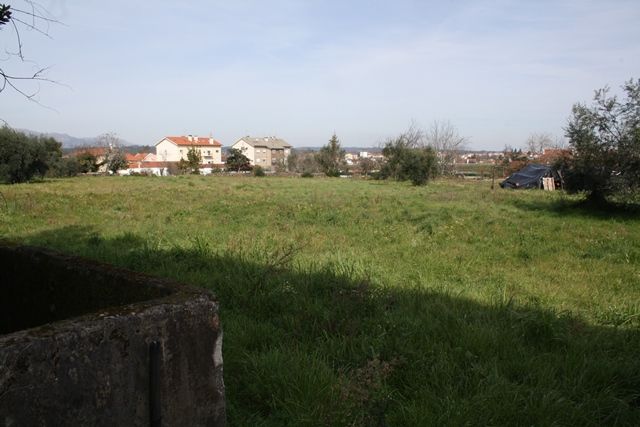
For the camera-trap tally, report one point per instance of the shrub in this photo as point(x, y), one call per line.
point(24, 157)
point(605, 139)
point(258, 171)
point(406, 161)
point(64, 167)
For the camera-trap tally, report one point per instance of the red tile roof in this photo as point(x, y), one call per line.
point(95, 151)
point(137, 157)
point(195, 141)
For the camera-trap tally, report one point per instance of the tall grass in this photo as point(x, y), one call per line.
point(364, 303)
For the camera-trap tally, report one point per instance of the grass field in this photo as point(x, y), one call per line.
point(349, 302)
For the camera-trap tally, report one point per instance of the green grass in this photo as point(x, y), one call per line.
point(350, 302)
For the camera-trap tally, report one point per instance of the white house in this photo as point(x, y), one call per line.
point(266, 152)
point(174, 148)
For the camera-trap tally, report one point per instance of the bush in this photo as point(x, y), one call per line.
point(64, 167)
point(23, 157)
point(408, 162)
point(306, 175)
point(605, 139)
point(258, 171)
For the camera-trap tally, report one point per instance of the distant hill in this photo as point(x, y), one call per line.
point(69, 141)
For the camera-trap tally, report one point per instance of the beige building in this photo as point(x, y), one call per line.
point(174, 148)
point(267, 152)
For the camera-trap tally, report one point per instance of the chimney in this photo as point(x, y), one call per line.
point(211, 140)
point(190, 138)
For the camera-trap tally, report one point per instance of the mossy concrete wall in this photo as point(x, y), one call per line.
point(84, 343)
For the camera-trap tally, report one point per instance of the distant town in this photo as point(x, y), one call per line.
point(274, 154)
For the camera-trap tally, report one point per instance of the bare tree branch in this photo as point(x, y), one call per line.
point(35, 18)
point(444, 138)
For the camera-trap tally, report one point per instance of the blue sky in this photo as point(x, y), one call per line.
point(497, 70)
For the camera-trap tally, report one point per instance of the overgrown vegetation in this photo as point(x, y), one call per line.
point(24, 157)
point(236, 161)
point(330, 158)
point(605, 138)
point(358, 303)
point(408, 159)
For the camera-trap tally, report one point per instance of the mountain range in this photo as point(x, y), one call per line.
point(69, 141)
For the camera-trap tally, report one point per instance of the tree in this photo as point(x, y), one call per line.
point(194, 160)
point(115, 158)
point(367, 165)
point(183, 166)
point(605, 140)
point(443, 137)
point(302, 162)
point(87, 162)
point(292, 161)
point(64, 167)
point(538, 142)
point(237, 161)
point(330, 157)
point(23, 157)
point(408, 159)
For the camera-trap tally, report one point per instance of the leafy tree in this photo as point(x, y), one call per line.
point(194, 160)
point(330, 157)
point(237, 161)
point(64, 167)
point(24, 157)
point(407, 160)
point(183, 166)
point(605, 140)
point(87, 162)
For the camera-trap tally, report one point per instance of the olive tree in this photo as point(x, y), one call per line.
point(605, 141)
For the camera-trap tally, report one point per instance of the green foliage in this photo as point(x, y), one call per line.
point(183, 166)
point(194, 159)
point(405, 161)
point(292, 161)
point(237, 161)
point(64, 167)
point(258, 171)
point(330, 157)
point(87, 162)
point(605, 139)
point(306, 175)
point(23, 157)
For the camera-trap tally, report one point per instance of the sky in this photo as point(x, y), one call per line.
point(301, 70)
